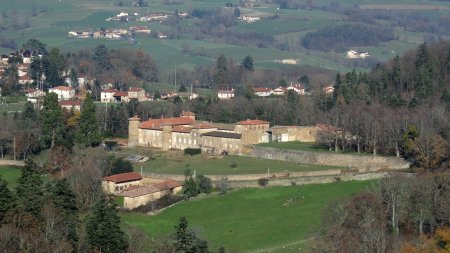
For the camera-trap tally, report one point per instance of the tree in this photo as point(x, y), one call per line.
point(29, 190)
point(10, 80)
point(121, 166)
point(423, 77)
point(101, 57)
point(157, 95)
point(6, 199)
point(74, 78)
point(88, 132)
point(221, 71)
point(55, 67)
point(186, 241)
point(64, 200)
point(52, 119)
point(35, 45)
point(247, 63)
point(103, 228)
point(182, 88)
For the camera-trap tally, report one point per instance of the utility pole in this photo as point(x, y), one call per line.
point(175, 78)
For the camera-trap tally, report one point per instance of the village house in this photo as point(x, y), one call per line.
point(107, 95)
point(137, 93)
point(297, 88)
point(63, 92)
point(302, 133)
point(188, 95)
point(34, 93)
point(329, 89)
point(226, 94)
point(136, 196)
point(140, 30)
point(117, 183)
point(250, 19)
point(262, 92)
point(70, 105)
point(185, 132)
point(352, 54)
point(121, 96)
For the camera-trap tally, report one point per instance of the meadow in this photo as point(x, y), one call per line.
point(60, 17)
point(175, 162)
point(274, 219)
point(10, 175)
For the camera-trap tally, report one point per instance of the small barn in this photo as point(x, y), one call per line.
point(119, 182)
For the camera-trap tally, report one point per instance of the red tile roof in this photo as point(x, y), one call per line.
point(181, 129)
point(124, 177)
point(120, 94)
point(134, 192)
point(204, 126)
point(157, 123)
point(168, 184)
point(252, 122)
point(30, 90)
point(61, 88)
point(188, 113)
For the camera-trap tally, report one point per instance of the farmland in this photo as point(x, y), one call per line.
point(54, 19)
point(276, 219)
point(10, 175)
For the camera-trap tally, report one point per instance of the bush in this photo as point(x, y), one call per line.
point(223, 185)
point(192, 151)
point(121, 166)
point(233, 165)
point(263, 182)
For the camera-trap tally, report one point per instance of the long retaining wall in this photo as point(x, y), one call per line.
point(363, 163)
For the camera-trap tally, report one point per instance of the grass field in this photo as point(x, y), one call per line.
point(251, 219)
point(10, 174)
point(175, 162)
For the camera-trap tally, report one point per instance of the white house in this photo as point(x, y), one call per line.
point(262, 92)
point(329, 89)
point(250, 19)
point(70, 104)
point(34, 93)
point(63, 92)
point(107, 95)
point(352, 54)
point(226, 94)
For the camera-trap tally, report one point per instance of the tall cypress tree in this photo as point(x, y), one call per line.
point(52, 118)
point(103, 229)
point(88, 133)
point(65, 200)
point(423, 78)
point(29, 189)
point(55, 67)
point(6, 199)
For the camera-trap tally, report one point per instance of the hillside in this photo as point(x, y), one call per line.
point(210, 29)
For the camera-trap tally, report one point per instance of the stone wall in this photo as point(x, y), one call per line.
point(363, 163)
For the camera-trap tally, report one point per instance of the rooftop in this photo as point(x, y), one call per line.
point(70, 103)
point(252, 122)
point(157, 123)
point(61, 88)
point(124, 177)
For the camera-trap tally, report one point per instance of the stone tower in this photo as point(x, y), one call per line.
point(166, 138)
point(133, 131)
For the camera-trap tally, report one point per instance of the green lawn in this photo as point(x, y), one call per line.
point(10, 174)
point(251, 219)
point(174, 162)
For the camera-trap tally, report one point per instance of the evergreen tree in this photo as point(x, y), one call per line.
point(101, 57)
point(74, 78)
point(157, 95)
point(121, 166)
point(65, 200)
point(88, 132)
point(55, 68)
point(29, 189)
point(220, 77)
point(186, 241)
point(36, 46)
point(423, 78)
point(396, 75)
point(103, 229)
point(52, 118)
point(10, 80)
point(6, 199)
point(247, 63)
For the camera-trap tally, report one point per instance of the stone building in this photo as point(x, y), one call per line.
point(302, 133)
point(119, 182)
point(186, 132)
point(140, 195)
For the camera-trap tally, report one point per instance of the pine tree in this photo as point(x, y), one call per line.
point(103, 229)
point(65, 200)
point(423, 78)
point(88, 132)
point(247, 63)
point(55, 68)
point(29, 189)
point(52, 118)
point(396, 75)
point(6, 199)
point(221, 71)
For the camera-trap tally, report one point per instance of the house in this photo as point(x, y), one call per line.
point(302, 133)
point(136, 196)
point(63, 92)
point(34, 93)
point(250, 19)
point(329, 89)
point(107, 95)
point(297, 88)
point(162, 36)
point(119, 182)
point(262, 92)
point(140, 29)
point(136, 93)
point(121, 96)
point(352, 54)
point(226, 94)
point(25, 79)
point(169, 95)
point(70, 105)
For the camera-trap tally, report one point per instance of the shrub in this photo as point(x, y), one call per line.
point(263, 182)
point(192, 151)
point(121, 166)
point(233, 165)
